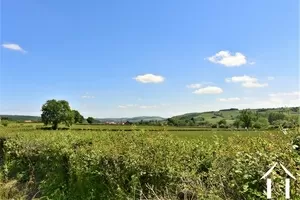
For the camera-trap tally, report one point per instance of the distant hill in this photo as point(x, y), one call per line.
point(21, 117)
point(132, 119)
point(228, 114)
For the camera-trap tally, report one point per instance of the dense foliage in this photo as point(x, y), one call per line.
point(131, 165)
point(248, 118)
point(55, 112)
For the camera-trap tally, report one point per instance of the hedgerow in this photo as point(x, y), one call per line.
point(141, 164)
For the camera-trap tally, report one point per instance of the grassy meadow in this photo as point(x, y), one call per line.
point(144, 163)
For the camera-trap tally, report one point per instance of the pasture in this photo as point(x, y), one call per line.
point(131, 162)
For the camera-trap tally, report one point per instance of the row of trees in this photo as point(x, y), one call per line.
point(55, 112)
point(250, 119)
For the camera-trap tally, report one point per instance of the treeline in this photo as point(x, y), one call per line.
point(259, 119)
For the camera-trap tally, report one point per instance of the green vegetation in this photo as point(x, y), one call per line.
point(90, 120)
point(226, 118)
point(135, 164)
point(234, 118)
point(206, 154)
point(56, 112)
point(78, 118)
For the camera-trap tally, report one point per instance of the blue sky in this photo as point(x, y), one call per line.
point(136, 58)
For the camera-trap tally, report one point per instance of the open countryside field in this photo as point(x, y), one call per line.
point(149, 100)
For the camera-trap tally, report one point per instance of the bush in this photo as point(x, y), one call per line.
point(5, 122)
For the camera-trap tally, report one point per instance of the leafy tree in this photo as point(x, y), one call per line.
point(246, 116)
point(172, 122)
point(294, 119)
point(275, 116)
point(214, 126)
point(261, 123)
point(193, 120)
point(222, 121)
point(78, 118)
point(55, 112)
point(295, 109)
point(90, 120)
point(237, 123)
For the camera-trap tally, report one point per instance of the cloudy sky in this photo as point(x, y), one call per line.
point(136, 58)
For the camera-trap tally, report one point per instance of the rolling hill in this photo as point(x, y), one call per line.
point(229, 114)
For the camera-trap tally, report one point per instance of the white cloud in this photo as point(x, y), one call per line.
point(227, 59)
point(149, 78)
point(254, 85)
point(237, 79)
point(270, 78)
point(13, 47)
point(229, 99)
point(208, 90)
point(195, 85)
point(247, 81)
point(87, 97)
point(282, 94)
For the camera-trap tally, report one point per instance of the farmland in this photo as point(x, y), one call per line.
point(141, 162)
point(70, 157)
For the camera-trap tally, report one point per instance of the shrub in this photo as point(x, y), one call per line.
point(5, 122)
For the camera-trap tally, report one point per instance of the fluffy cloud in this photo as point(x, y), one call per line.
point(208, 90)
point(247, 81)
point(149, 78)
point(229, 99)
point(227, 59)
point(13, 47)
point(238, 79)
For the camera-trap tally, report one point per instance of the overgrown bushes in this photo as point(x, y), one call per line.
point(131, 165)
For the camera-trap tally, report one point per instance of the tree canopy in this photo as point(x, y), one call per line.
point(90, 120)
point(55, 112)
point(246, 117)
point(78, 118)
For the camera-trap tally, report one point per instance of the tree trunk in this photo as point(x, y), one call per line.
point(55, 126)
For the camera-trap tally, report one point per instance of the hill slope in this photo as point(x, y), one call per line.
point(228, 114)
